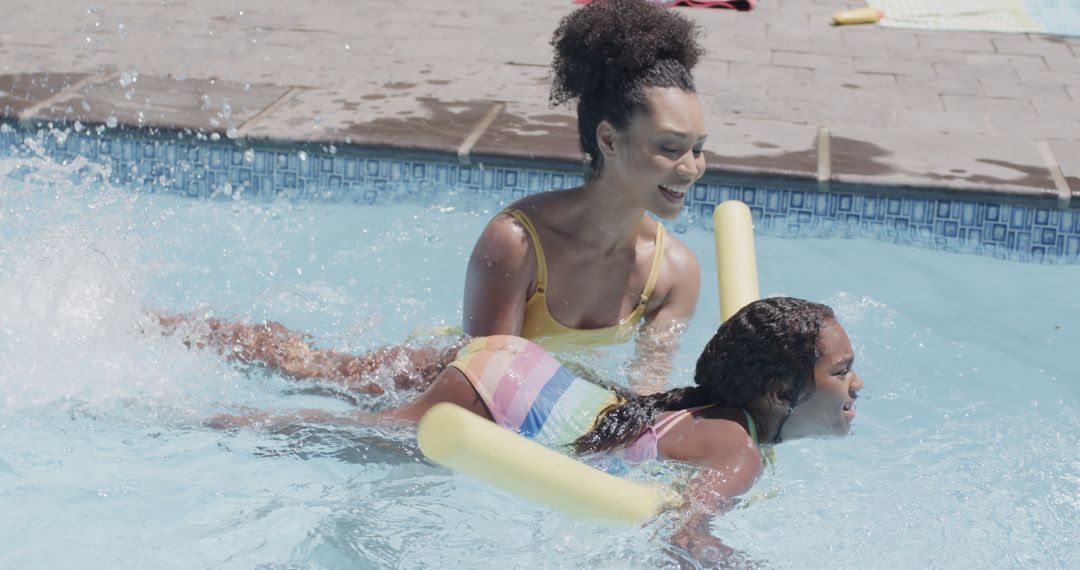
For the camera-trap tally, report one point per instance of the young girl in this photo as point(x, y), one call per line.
point(779, 369)
point(578, 267)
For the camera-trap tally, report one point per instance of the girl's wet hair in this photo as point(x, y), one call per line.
point(608, 52)
point(769, 346)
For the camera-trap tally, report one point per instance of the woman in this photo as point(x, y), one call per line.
point(779, 369)
point(588, 265)
point(578, 267)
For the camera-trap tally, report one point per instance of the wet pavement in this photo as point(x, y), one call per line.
point(790, 99)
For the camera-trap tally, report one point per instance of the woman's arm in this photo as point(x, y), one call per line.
point(679, 285)
point(501, 273)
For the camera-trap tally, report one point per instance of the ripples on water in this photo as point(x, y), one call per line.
point(964, 452)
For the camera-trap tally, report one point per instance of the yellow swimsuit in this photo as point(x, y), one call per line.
point(542, 328)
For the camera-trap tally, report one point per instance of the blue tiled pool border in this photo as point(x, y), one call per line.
point(202, 168)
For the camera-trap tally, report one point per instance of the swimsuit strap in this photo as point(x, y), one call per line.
point(541, 262)
point(750, 427)
point(663, 426)
point(654, 271)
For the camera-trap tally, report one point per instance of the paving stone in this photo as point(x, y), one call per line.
point(1016, 61)
point(1034, 128)
point(204, 105)
point(746, 145)
point(966, 42)
point(812, 61)
point(401, 121)
point(1067, 155)
point(526, 131)
point(1036, 45)
point(838, 47)
point(1058, 109)
point(987, 105)
point(829, 78)
point(902, 99)
point(728, 53)
point(746, 74)
point(962, 162)
point(1041, 77)
point(1063, 64)
point(999, 88)
point(876, 36)
point(893, 66)
point(975, 71)
point(942, 122)
point(22, 90)
point(941, 85)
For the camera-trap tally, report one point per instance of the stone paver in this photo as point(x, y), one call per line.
point(931, 111)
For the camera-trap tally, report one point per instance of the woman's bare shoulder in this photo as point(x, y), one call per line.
point(678, 257)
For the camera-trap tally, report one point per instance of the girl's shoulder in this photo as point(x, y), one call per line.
point(712, 435)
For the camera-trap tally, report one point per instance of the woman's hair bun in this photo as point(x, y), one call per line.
point(610, 43)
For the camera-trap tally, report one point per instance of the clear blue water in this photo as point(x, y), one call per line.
point(964, 455)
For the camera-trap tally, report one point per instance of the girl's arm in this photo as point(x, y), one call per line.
point(731, 463)
point(712, 492)
point(502, 269)
point(680, 284)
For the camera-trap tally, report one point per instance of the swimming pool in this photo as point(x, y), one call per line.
point(964, 453)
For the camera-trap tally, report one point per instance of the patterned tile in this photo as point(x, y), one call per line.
point(220, 169)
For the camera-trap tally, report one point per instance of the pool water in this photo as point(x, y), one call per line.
point(964, 454)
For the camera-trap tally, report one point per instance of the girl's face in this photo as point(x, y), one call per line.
point(831, 408)
point(658, 156)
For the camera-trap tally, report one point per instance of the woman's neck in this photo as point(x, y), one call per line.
point(608, 221)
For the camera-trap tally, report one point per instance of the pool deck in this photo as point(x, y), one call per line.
point(790, 99)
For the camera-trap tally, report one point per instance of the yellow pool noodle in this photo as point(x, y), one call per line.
point(736, 260)
point(469, 444)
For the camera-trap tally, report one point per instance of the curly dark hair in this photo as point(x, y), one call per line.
point(608, 52)
point(768, 346)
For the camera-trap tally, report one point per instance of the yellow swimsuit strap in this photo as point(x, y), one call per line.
point(654, 271)
point(541, 262)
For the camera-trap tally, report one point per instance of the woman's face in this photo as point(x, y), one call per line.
point(659, 154)
point(831, 408)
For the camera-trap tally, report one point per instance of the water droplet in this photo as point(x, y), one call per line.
point(111, 122)
point(94, 9)
point(215, 136)
point(348, 47)
point(249, 155)
point(302, 155)
point(232, 133)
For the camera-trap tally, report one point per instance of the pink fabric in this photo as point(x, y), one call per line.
point(517, 404)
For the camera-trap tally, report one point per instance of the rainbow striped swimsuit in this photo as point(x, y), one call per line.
point(527, 390)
